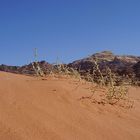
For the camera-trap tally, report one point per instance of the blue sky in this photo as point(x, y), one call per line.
point(67, 29)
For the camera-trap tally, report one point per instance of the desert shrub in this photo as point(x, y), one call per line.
point(114, 93)
point(97, 74)
point(63, 70)
point(36, 66)
point(37, 69)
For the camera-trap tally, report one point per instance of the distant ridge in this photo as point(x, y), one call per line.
point(121, 65)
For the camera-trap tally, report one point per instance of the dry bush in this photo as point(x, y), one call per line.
point(115, 93)
point(36, 66)
point(96, 70)
point(61, 70)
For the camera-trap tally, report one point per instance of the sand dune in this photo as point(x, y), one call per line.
point(36, 109)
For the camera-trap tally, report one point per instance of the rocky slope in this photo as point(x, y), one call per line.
point(26, 69)
point(136, 68)
point(106, 58)
point(13, 69)
point(123, 66)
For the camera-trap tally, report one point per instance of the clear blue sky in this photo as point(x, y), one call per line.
point(68, 29)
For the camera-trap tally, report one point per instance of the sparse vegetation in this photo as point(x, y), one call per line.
point(97, 69)
point(114, 92)
point(63, 70)
point(36, 66)
point(104, 77)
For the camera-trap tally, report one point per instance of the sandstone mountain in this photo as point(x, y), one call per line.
point(122, 65)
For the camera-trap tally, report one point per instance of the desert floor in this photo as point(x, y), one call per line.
point(50, 109)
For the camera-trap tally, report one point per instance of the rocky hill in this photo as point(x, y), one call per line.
point(136, 68)
point(108, 57)
point(13, 69)
point(26, 69)
point(124, 67)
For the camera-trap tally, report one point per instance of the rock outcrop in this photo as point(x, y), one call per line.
point(123, 66)
point(136, 68)
point(26, 69)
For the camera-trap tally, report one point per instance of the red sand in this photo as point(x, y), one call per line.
point(35, 109)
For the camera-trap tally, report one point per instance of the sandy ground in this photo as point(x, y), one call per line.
point(35, 109)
